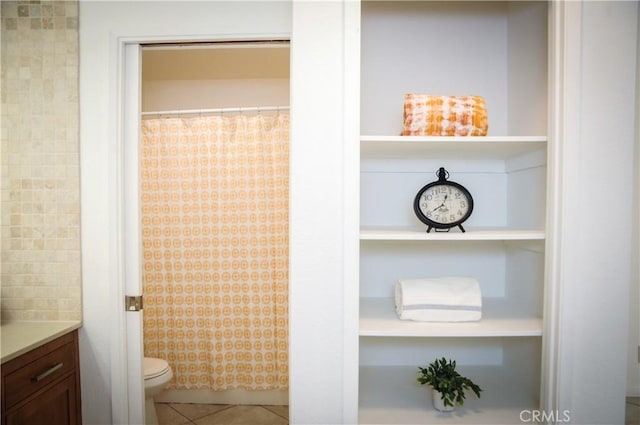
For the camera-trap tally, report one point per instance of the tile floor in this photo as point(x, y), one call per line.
point(218, 414)
point(632, 416)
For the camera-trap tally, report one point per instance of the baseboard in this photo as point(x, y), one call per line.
point(265, 397)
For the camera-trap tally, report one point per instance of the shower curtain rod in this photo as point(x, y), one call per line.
point(216, 44)
point(240, 109)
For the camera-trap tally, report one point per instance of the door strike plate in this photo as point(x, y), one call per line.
point(133, 302)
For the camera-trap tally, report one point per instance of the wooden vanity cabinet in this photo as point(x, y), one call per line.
point(42, 386)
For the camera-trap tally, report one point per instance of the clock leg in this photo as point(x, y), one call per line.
point(429, 229)
point(461, 228)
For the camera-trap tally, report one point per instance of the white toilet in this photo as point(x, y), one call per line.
point(157, 374)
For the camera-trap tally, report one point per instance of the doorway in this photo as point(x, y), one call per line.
point(185, 83)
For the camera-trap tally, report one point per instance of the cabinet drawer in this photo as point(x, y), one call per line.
point(37, 374)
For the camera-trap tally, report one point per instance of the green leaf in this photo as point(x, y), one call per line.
point(442, 376)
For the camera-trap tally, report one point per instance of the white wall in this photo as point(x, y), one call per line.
point(215, 76)
point(633, 365)
point(163, 95)
point(319, 122)
point(387, 50)
point(596, 172)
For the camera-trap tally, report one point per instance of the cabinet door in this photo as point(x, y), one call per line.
point(56, 405)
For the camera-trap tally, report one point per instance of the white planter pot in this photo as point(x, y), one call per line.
point(438, 402)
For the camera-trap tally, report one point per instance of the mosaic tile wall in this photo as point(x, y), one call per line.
point(41, 277)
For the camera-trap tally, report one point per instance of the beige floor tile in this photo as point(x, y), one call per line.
point(168, 416)
point(243, 415)
point(279, 410)
point(632, 414)
point(197, 411)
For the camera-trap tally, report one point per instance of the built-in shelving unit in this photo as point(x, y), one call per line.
point(496, 50)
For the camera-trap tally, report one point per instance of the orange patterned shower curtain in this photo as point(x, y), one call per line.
point(215, 201)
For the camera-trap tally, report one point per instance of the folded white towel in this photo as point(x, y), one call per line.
point(443, 299)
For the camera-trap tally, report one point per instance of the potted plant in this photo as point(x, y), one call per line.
point(448, 385)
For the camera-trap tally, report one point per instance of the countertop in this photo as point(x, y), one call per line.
point(22, 336)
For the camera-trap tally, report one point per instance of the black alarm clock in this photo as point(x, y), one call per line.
point(443, 204)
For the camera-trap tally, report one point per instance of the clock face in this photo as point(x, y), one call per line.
point(443, 204)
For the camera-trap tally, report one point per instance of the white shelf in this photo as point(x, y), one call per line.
point(412, 147)
point(499, 319)
point(391, 395)
point(480, 234)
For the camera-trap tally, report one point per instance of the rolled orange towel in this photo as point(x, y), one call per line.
point(432, 115)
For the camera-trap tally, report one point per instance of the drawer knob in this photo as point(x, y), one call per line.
point(47, 372)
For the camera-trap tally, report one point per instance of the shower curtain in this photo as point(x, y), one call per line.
point(215, 199)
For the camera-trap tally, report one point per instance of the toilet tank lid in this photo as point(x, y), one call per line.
point(154, 367)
